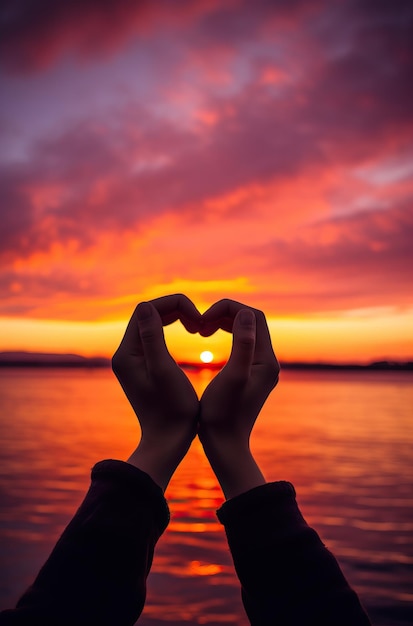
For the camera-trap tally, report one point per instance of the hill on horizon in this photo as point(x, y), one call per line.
point(47, 359)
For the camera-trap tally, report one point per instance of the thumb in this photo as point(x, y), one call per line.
point(243, 344)
point(151, 334)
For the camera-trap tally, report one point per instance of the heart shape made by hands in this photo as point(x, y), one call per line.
point(220, 315)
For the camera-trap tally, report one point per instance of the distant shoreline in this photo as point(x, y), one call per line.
point(42, 360)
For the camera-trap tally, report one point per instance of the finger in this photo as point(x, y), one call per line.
point(131, 341)
point(243, 345)
point(170, 308)
point(222, 315)
point(178, 306)
point(151, 335)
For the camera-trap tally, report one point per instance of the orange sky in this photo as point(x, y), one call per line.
point(244, 150)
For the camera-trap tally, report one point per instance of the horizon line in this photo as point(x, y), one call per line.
point(51, 359)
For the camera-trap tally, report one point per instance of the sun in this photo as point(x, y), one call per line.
point(206, 356)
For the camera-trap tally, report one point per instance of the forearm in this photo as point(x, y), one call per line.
point(288, 576)
point(97, 571)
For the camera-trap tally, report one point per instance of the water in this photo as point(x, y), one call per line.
point(344, 439)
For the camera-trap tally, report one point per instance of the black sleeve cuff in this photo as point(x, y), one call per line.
point(139, 484)
point(278, 496)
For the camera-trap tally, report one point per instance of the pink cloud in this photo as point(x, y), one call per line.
point(34, 35)
point(355, 261)
point(256, 135)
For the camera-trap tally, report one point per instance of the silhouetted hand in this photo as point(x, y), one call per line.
point(232, 401)
point(159, 391)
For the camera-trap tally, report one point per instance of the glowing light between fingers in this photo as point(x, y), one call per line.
point(206, 356)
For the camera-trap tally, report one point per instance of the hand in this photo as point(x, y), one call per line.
point(232, 401)
point(159, 391)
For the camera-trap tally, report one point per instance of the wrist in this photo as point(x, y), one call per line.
point(233, 464)
point(160, 462)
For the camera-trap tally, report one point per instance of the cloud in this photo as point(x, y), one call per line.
point(273, 147)
point(345, 262)
point(74, 209)
point(335, 263)
point(34, 34)
point(364, 83)
point(129, 164)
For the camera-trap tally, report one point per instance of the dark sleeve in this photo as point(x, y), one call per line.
point(96, 574)
point(287, 575)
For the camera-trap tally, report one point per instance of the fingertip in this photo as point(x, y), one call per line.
point(206, 330)
point(191, 326)
point(246, 318)
point(149, 322)
point(192, 319)
point(144, 311)
point(245, 326)
point(243, 344)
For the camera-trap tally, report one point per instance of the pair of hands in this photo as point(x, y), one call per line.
point(166, 403)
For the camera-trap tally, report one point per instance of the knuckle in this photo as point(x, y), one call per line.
point(272, 371)
point(225, 303)
point(114, 363)
point(117, 362)
point(147, 334)
point(247, 341)
point(260, 314)
point(175, 299)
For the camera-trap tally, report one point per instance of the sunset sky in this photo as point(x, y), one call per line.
point(257, 150)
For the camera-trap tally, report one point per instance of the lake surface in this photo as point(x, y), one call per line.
point(345, 440)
